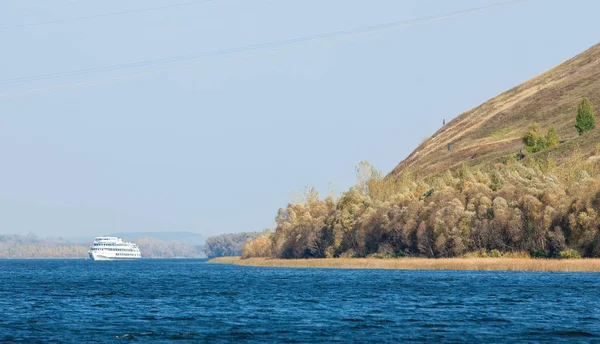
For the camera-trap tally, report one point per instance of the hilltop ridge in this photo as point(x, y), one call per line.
point(494, 129)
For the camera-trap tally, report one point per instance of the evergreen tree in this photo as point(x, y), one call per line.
point(585, 120)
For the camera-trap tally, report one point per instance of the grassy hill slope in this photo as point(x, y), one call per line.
point(493, 130)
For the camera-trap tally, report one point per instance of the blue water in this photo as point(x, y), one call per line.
point(189, 300)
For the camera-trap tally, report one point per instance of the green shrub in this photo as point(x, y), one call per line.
point(538, 253)
point(426, 194)
point(534, 140)
point(552, 138)
point(386, 255)
point(570, 254)
point(495, 253)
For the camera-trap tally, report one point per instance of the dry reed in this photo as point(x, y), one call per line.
point(224, 260)
point(502, 264)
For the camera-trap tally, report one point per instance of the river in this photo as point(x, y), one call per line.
point(190, 300)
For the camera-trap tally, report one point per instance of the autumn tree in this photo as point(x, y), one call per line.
point(259, 247)
point(552, 138)
point(517, 207)
point(365, 173)
point(535, 141)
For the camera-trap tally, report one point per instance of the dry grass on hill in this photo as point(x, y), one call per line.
point(498, 264)
point(493, 130)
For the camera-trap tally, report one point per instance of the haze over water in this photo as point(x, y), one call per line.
point(189, 300)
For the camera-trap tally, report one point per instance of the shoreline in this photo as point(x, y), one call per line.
point(465, 264)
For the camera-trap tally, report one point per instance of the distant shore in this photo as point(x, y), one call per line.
point(44, 258)
point(484, 264)
point(88, 258)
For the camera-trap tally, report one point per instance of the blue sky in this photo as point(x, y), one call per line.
point(217, 144)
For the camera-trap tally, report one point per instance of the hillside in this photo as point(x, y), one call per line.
point(481, 198)
point(493, 130)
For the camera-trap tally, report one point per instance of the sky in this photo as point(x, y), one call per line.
point(217, 142)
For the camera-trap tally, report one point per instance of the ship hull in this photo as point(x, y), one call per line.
point(97, 256)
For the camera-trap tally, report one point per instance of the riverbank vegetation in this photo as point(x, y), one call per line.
point(228, 244)
point(225, 260)
point(532, 206)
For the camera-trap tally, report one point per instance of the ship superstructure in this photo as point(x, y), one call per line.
point(113, 248)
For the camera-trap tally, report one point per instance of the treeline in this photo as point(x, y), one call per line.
point(228, 244)
point(29, 246)
point(19, 246)
point(156, 248)
point(531, 206)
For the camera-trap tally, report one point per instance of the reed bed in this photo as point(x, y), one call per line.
point(224, 260)
point(496, 264)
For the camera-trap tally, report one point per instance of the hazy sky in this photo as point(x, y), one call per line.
point(217, 143)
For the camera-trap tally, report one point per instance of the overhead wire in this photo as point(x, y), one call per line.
point(82, 84)
point(372, 28)
point(110, 14)
point(366, 29)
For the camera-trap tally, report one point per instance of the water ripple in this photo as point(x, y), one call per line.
point(163, 301)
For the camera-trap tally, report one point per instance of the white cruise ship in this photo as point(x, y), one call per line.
point(113, 248)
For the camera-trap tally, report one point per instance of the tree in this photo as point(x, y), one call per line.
point(585, 120)
point(534, 140)
point(552, 138)
point(365, 172)
point(228, 244)
point(259, 247)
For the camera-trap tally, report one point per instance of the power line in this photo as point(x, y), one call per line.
point(78, 85)
point(101, 15)
point(372, 28)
